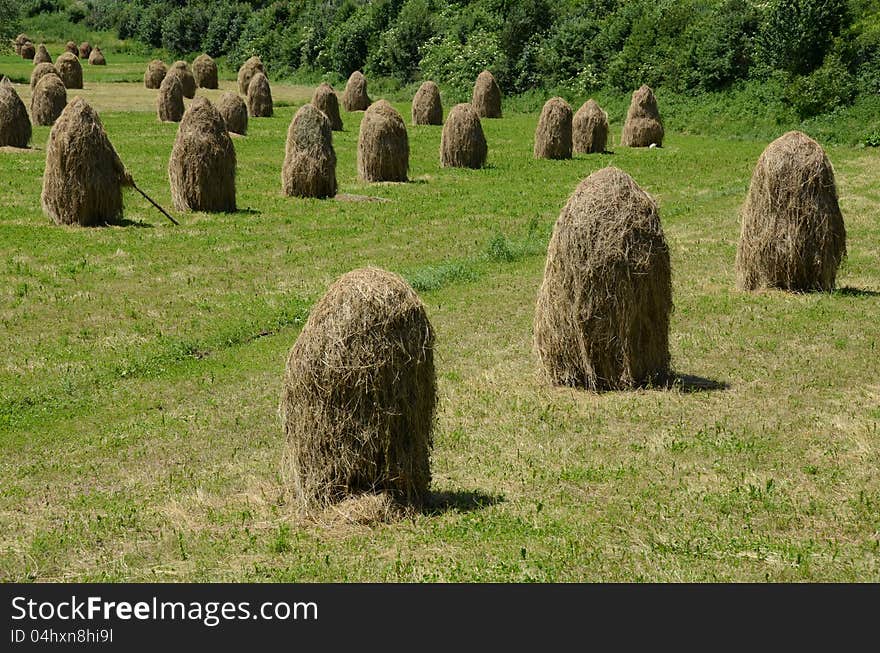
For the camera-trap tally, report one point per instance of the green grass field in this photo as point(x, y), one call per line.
point(139, 435)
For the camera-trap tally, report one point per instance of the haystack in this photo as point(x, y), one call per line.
point(40, 71)
point(590, 129)
point(69, 70)
point(486, 98)
point(259, 97)
point(383, 144)
point(202, 165)
point(42, 55)
point(793, 236)
point(96, 58)
point(48, 100)
point(155, 73)
point(70, 47)
point(83, 180)
point(169, 102)
point(15, 126)
point(325, 99)
point(85, 49)
point(463, 144)
point(602, 316)
point(4, 81)
point(643, 126)
point(234, 112)
point(426, 106)
point(187, 81)
point(359, 394)
point(553, 134)
point(247, 71)
point(355, 97)
point(19, 41)
point(28, 51)
point(205, 71)
point(309, 159)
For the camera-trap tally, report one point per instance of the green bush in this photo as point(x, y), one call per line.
point(397, 53)
point(825, 89)
point(183, 29)
point(457, 64)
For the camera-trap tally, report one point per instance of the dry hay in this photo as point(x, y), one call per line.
point(486, 98)
point(42, 55)
point(169, 102)
point(96, 58)
point(383, 144)
point(590, 129)
point(247, 71)
point(325, 99)
point(205, 71)
point(70, 47)
point(259, 97)
point(187, 82)
point(28, 51)
point(19, 41)
point(69, 70)
point(309, 160)
point(48, 100)
point(643, 126)
point(793, 236)
point(359, 394)
point(553, 134)
point(85, 50)
point(40, 71)
point(4, 81)
point(463, 144)
point(355, 97)
point(234, 112)
point(155, 73)
point(202, 164)
point(15, 126)
point(602, 316)
point(84, 176)
point(426, 106)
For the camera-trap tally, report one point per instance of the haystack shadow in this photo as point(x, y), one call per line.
point(439, 503)
point(689, 383)
point(849, 291)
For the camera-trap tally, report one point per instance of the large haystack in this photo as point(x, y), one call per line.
point(96, 58)
point(359, 394)
point(325, 99)
point(355, 97)
point(309, 159)
point(643, 126)
point(40, 71)
point(42, 55)
point(486, 98)
point(28, 50)
point(202, 165)
point(590, 129)
point(169, 101)
point(234, 112)
point(602, 316)
point(247, 71)
point(15, 126)
point(155, 73)
point(793, 236)
point(383, 144)
point(187, 81)
point(205, 71)
point(426, 106)
point(85, 49)
point(463, 144)
point(69, 70)
point(259, 97)
point(553, 134)
point(83, 180)
point(70, 47)
point(48, 100)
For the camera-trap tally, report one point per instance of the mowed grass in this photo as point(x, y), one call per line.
point(139, 436)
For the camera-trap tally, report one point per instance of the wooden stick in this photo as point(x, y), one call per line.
point(151, 201)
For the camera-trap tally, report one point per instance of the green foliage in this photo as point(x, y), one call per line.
point(457, 64)
point(823, 90)
point(9, 26)
point(398, 52)
point(183, 29)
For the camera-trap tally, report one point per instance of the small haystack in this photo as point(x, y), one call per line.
point(325, 99)
point(359, 394)
point(85, 50)
point(383, 144)
point(69, 70)
point(793, 236)
point(247, 71)
point(590, 129)
point(602, 316)
point(486, 97)
point(19, 41)
point(70, 47)
point(4, 81)
point(426, 106)
point(42, 55)
point(187, 81)
point(48, 100)
point(234, 112)
point(28, 51)
point(169, 102)
point(15, 126)
point(96, 58)
point(355, 97)
point(155, 73)
point(40, 71)
point(463, 144)
point(202, 165)
point(553, 134)
point(309, 159)
point(643, 126)
point(259, 97)
point(84, 176)
point(205, 71)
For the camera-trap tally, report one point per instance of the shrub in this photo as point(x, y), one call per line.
point(183, 28)
point(456, 65)
point(823, 90)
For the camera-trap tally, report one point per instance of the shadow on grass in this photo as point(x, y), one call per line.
point(459, 501)
point(125, 222)
point(689, 383)
point(849, 291)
